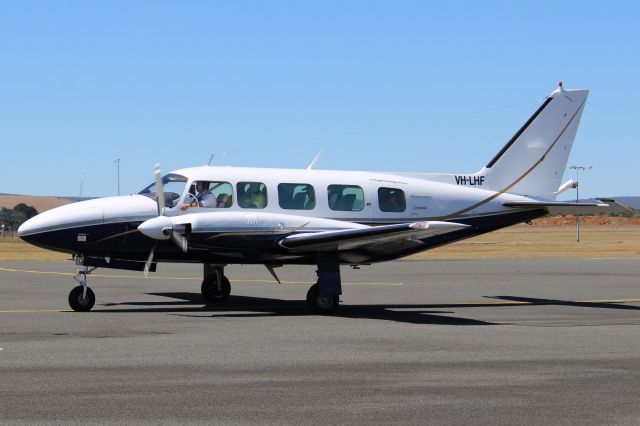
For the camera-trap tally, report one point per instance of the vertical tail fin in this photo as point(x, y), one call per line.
point(533, 161)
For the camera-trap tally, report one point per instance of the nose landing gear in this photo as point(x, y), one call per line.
point(82, 298)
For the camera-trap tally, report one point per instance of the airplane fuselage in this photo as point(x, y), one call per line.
point(246, 233)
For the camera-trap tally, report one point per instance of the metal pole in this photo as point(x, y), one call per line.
point(577, 186)
point(118, 163)
point(577, 201)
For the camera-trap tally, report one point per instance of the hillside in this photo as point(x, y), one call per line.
point(39, 202)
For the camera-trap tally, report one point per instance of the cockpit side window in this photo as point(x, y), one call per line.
point(209, 194)
point(172, 186)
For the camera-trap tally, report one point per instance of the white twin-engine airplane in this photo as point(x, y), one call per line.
point(223, 215)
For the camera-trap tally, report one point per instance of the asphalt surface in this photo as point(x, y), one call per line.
point(436, 342)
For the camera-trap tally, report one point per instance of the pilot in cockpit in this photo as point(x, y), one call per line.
point(204, 198)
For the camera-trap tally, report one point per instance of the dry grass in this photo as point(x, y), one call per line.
point(539, 240)
point(12, 251)
point(531, 242)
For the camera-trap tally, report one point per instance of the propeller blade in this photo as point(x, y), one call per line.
point(147, 264)
point(180, 240)
point(159, 191)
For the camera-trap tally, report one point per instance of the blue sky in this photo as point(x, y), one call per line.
point(390, 86)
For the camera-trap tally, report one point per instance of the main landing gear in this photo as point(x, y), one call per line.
point(324, 296)
point(215, 286)
point(81, 298)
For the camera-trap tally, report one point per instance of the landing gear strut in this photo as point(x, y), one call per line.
point(81, 298)
point(215, 286)
point(324, 296)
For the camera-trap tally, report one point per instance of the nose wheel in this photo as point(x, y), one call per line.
point(81, 301)
point(82, 298)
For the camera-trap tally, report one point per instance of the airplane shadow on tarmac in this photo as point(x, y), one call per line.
point(191, 304)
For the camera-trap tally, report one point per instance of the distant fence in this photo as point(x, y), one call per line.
point(9, 236)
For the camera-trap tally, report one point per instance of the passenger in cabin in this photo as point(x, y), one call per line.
point(222, 200)
point(333, 199)
point(256, 198)
point(391, 200)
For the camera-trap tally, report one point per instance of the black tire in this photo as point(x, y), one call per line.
point(321, 305)
point(79, 304)
point(210, 292)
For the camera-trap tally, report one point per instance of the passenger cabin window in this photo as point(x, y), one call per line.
point(296, 196)
point(391, 200)
point(252, 195)
point(209, 194)
point(346, 198)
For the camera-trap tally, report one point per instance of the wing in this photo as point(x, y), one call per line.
point(607, 206)
point(349, 239)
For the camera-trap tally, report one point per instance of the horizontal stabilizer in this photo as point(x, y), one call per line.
point(568, 208)
point(348, 239)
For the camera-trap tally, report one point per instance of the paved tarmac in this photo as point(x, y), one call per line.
point(435, 342)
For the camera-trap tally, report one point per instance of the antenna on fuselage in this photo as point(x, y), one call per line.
point(216, 154)
point(312, 165)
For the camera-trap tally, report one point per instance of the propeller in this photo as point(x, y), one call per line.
point(159, 191)
point(161, 227)
point(147, 264)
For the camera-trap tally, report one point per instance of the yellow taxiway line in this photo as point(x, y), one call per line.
point(28, 271)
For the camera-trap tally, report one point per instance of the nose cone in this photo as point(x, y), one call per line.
point(71, 215)
point(81, 226)
point(40, 223)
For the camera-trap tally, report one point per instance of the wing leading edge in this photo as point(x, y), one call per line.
point(349, 239)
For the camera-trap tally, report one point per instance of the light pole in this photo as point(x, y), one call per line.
point(118, 164)
point(577, 186)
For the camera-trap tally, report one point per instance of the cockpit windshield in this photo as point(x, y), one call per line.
point(173, 187)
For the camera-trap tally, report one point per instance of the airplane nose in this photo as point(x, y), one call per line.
point(39, 223)
point(24, 228)
point(71, 227)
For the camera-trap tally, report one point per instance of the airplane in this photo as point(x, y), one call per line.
point(219, 216)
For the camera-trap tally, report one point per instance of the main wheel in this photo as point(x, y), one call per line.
point(79, 303)
point(321, 304)
point(210, 291)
